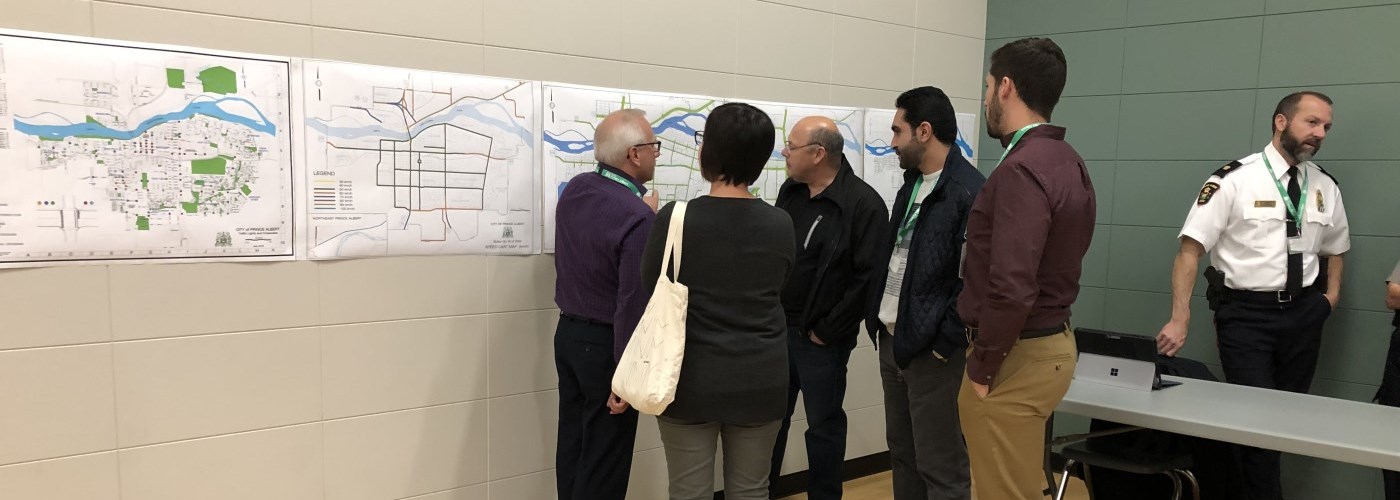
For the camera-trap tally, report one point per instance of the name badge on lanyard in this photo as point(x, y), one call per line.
point(1298, 244)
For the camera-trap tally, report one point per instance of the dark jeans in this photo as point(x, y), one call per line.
point(1273, 346)
point(594, 456)
point(819, 372)
point(928, 457)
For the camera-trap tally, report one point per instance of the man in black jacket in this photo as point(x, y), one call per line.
point(837, 219)
point(913, 317)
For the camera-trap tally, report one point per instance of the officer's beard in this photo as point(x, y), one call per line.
point(1295, 147)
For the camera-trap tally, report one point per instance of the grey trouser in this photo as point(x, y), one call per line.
point(690, 458)
point(927, 455)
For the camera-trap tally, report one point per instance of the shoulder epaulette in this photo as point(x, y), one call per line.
point(1328, 174)
point(1229, 167)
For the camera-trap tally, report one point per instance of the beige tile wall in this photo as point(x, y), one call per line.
point(424, 378)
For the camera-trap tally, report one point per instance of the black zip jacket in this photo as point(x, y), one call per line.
point(845, 270)
point(928, 318)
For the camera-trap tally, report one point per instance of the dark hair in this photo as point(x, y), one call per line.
point(1037, 67)
point(1288, 106)
point(738, 143)
point(930, 104)
point(830, 139)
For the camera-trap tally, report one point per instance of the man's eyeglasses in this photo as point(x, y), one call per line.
point(699, 137)
point(655, 146)
point(790, 147)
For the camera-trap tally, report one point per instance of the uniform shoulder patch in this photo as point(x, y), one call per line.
point(1207, 191)
point(1229, 167)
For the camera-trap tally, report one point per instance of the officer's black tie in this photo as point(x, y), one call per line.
point(1294, 285)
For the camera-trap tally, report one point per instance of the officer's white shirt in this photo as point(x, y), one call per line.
point(1242, 222)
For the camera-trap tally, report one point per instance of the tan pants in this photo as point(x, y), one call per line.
point(1005, 431)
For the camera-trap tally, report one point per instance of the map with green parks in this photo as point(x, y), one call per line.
point(115, 152)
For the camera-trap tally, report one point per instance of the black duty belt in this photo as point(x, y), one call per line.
point(1278, 297)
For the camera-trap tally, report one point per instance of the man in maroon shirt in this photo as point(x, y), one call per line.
point(1028, 231)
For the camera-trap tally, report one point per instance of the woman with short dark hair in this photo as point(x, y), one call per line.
point(737, 252)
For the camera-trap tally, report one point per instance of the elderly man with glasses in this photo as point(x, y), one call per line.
point(604, 219)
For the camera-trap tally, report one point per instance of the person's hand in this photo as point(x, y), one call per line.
point(1172, 338)
point(815, 340)
point(652, 200)
point(616, 405)
point(981, 390)
point(1332, 300)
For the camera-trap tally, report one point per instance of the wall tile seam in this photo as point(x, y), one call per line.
point(55, 459)
point(1127, 26)
point(313, 24)
point(120, 449)
point(278, 329)
point(1230, 89)
point(505, 47)
point(454, 488)
point(1265, 15)
point(304, 423)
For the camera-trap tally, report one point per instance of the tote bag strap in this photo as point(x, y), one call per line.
point(674, 234)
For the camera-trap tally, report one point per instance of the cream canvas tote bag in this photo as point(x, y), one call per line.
point(646, 375)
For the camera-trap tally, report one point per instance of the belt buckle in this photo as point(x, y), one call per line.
point(1283, 296)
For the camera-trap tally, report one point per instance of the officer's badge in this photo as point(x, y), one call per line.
point(1320, 206)
point(1207, 192)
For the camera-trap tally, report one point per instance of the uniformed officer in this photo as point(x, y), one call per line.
point(1268, 221)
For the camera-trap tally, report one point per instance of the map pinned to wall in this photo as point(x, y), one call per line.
point(570, 115)
point(114, 152)
point(572, 112)
point(406, 162)
point(882, 170)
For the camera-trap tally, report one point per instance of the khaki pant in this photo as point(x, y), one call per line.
point(690, 458)
point(1005, 431)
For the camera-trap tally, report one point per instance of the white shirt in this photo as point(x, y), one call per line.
point(1240, 218)
point(889, 303)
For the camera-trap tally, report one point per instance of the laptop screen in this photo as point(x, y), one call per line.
point(1116, 344)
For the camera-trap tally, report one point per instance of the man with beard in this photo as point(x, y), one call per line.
point(1276, 230)
point(913, 316)
point(1026, 239)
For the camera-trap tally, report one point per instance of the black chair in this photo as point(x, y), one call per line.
point(1175, 465)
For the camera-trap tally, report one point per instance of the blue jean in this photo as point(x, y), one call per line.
point(819, 373)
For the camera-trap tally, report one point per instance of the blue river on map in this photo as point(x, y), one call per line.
point(885, 150)
point(576, 146)
point(97, 130)
point(461, 110)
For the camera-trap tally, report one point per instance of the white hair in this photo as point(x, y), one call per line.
point(616, 135)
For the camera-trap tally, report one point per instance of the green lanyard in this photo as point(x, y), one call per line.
point(620, 180)
point(1015, 139)
point(1295, 210)
point(910, 215)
